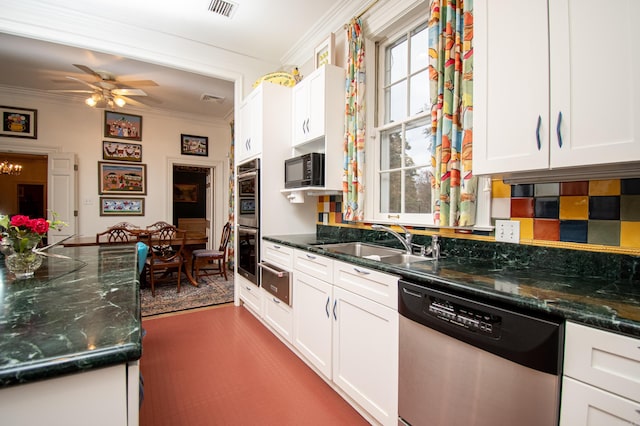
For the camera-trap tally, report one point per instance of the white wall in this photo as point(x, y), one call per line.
point(71, 126)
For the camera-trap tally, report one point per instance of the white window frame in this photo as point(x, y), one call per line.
point(422, 219)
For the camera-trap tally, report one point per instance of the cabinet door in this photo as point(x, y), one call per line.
point(365, 354)
point(317, 99)
point(251, 295)
point(584, 405)
point(300, 99)
point(312, 301)
point(244, 133)
point(278, 315)
point(511, 86)
point(594, 82)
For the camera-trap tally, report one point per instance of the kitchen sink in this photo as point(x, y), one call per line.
point(375, 252)
point(359, 249)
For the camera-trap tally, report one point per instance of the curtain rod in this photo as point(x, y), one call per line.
point(359, 15)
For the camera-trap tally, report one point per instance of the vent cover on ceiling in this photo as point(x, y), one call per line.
point(205, 97)
point(222, 7)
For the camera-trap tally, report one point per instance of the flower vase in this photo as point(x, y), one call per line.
point(25, 262)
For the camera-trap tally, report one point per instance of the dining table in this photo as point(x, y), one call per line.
point(193, 241)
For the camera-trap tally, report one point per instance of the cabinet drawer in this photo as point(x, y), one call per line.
point(278, 315)
point(583, 404)
point(606, 360)
point(251, 295)
point(374, 285)
point(317, 266)
point(277, 254)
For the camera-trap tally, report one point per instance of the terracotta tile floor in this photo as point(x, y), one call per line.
point(221, 366)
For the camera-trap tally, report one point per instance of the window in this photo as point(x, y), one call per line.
point(403, 149)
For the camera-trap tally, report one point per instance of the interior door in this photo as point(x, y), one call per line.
point(62, 194)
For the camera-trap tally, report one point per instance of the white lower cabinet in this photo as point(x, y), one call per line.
point(278, 315)
point(312, 320)
point(365, 354)
point(251, 295)
point(601, 382)
point(98, 396)
point(350, 339)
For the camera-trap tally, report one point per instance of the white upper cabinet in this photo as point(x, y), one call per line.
point(318, 105)
point(264, 118)
point(551, 90)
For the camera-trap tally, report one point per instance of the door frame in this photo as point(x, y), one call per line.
point(216, 191)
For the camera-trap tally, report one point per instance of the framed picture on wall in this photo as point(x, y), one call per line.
point(119, 178)
point(324, 54)
point(122, 126)
point(185, 192)
point(120, 151)
point(19, 122)
point(126, 206)
point(194, 145)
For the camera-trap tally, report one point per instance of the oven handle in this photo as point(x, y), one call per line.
point(252, 231)
point(279, 274)
point(245, 175)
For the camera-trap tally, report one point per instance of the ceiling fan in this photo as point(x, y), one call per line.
point(107, 91)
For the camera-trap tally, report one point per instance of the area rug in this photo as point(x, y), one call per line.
point(211, 291)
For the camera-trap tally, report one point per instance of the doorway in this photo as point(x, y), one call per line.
point(31, 199)
point(25, 193)
point(191, 198)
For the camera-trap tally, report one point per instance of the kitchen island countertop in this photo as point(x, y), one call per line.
point(76, 313)
point(612, 305)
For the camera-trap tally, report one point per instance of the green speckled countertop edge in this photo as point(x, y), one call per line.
point(75, 315)
point(609, 303)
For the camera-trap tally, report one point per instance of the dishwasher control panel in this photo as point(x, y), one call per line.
point(471, 319)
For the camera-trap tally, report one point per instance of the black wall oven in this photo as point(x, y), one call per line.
point(248, 244)
point(249, 193)
point(248, 252)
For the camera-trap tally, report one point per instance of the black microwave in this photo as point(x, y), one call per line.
point(305, 170)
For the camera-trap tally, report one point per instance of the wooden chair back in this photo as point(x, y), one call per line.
point(114, 235)
point(158, 225)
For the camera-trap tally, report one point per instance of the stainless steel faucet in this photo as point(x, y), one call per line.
point(406, 240)
point(435, 247)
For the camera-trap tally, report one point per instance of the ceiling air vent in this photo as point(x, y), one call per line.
point(205, 97)
point(222, 7)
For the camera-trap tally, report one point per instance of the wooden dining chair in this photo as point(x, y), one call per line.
point(212, 262)
point(158, 225)
point(166, 254)
point(114, 235)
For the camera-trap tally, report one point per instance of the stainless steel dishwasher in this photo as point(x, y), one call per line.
point(464, 362)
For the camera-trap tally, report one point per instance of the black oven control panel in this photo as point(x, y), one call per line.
point(470, 319)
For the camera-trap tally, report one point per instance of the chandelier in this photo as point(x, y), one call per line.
point(7, 168)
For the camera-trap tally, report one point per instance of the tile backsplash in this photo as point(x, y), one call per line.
point(599, 212)
point(603, 212)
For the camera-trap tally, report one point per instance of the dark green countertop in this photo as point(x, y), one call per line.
point(608, 303)
point(74, 314)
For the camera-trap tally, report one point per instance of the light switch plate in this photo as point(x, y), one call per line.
point(508, 231)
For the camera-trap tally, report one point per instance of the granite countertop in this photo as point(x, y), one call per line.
point(608, 303)
point(74, 314)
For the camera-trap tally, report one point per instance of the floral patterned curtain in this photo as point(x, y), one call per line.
point(353, 168)
point(451, 73)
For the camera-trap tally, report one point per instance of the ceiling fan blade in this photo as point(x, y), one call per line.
point(88, 70)
point(132, 101)
point(135, 83)
point(70, 91)
point(128, 92)
point(93, 86)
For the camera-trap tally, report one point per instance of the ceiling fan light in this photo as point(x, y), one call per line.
point(90, 101)
point(119, 101)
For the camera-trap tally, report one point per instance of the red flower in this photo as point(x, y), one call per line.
point(40, 226)
point(20, 220)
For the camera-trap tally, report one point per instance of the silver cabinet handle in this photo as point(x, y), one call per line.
point(276, 300)
point(411, 293)
point(335, 303)
point(248, 288)
point(538, 133)
point(558, 129)
point(278, 274)
point(326, 307)
point(277, 247)
point(309, 256)
point(361, 271)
